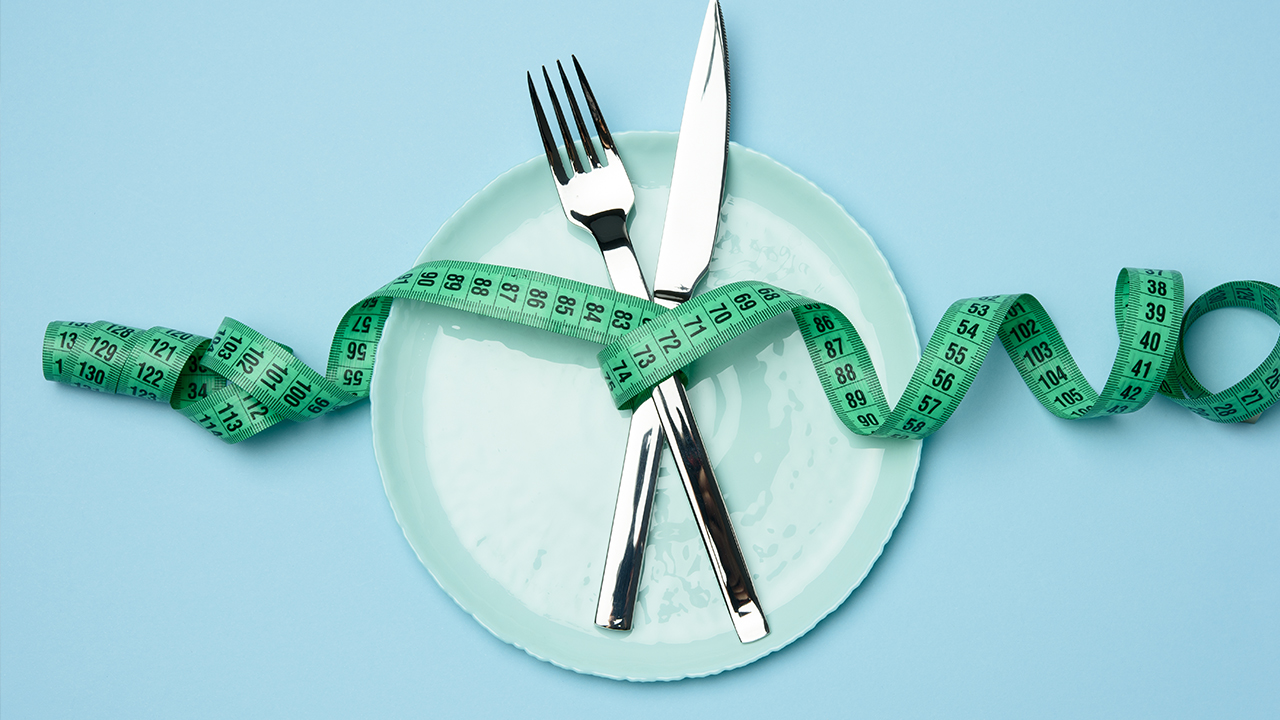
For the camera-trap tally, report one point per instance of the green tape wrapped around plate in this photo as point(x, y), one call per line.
point(240, 382)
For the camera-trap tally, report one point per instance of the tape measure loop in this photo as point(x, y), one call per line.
point(1247, 399)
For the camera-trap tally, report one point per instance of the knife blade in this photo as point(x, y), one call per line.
point(697, 182)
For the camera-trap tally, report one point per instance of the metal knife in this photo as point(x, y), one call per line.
point(688, 235)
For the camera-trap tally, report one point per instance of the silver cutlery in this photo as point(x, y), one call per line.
point(599, 201)
point(688, 236)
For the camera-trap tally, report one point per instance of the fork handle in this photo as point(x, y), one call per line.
point(610, 231)
point(631, 513)
point(692, 462)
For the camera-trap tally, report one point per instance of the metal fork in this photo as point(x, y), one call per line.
point(599, 201)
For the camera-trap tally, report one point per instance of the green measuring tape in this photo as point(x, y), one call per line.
point(239, 382)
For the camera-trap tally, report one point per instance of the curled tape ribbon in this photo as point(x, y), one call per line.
point(239, 383)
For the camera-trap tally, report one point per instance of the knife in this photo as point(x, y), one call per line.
point(688, 235)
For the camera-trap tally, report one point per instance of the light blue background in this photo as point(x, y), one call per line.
point(173, 163)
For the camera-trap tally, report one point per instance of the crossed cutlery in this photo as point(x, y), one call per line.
point(599, 199)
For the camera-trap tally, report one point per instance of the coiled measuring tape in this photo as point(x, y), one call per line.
point(239, 382)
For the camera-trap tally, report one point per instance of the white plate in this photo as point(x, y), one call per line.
point(500, 450)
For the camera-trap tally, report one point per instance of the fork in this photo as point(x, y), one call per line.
point(599, 201)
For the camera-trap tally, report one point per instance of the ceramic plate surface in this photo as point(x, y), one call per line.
point(500, 450)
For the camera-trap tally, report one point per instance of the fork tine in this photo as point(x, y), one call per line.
point(589, 146)
point(564, 127)
point(596, 116)
point(548, 142)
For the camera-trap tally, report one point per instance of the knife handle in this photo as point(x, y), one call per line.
point(710, 512)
